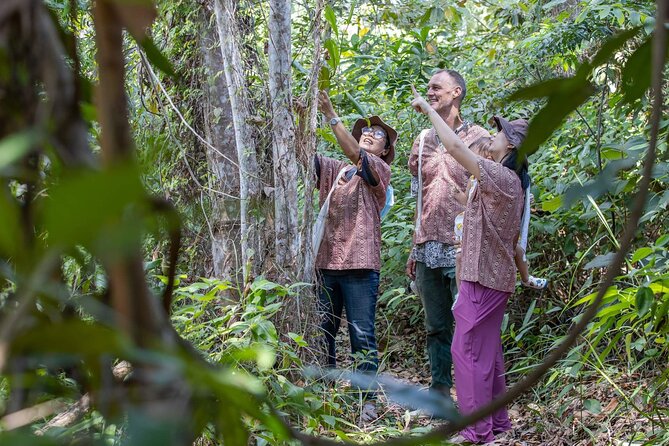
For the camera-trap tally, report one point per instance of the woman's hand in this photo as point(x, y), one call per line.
point(419, 103)
point(325, 106)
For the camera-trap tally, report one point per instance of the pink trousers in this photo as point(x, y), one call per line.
point(477, 357)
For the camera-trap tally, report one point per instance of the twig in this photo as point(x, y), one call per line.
point(184, 122)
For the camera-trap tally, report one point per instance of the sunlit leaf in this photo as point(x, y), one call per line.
point(552, 205)
point(324, 78)
point(641, 253)
point(331, 18)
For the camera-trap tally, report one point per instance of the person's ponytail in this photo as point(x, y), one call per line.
point(512, 161)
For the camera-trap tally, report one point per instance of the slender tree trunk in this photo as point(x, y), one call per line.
point(224, 222)
point(306, 148)
point(249, 178)
point(283, 140)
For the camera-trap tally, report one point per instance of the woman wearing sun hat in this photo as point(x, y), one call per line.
point(348, 260)
point(488, 272)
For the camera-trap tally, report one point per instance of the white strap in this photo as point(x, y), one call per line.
point(419, 201)
point(319, 225)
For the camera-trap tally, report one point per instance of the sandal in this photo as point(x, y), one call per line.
point(536, 282)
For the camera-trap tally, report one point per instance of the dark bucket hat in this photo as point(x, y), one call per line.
point(515, 130)
point(375, 120)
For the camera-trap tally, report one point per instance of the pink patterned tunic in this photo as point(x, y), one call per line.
point(440, 173)
point(352, 238)
point(491, 227)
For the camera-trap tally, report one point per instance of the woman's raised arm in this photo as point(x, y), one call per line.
point(346, 141)
point(452, 143)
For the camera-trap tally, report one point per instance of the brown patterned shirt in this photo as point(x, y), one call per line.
point(491, 227)
point(440, 172)
point(352, 238)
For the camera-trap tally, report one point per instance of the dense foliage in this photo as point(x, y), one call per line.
point(562, 62)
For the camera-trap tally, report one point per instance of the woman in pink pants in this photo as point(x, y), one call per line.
point(488, 272)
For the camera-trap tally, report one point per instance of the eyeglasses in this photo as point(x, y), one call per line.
point(377, 134)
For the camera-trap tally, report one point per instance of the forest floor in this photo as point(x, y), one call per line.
point(605, 408)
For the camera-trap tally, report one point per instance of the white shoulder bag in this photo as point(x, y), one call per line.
point(319, 226)
point(419, 201)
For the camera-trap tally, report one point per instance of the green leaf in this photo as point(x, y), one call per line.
point(542, 89)
point(641, 253)
point(331, 18)
point(156, 57)
point(74, 337)
point(324, 78)
point(549, 118)
point(612, 45)
point(329, 419)
point(601, 261)
point(644, 300)
point(360, 109)
point(299, 339)
point(86, 205)
point(636, 73)
point(16, 146)
point(592, 406)
point(333, 50)
point(552, 205)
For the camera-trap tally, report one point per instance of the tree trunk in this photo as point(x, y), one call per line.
point(222, 160)
point(306, 148)
point(249, 178)
point(283, 140)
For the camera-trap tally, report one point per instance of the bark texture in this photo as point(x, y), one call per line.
point(283, 140)
point(222, 160)
point(249, 179)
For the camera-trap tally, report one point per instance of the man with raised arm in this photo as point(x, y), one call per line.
point(437, 177)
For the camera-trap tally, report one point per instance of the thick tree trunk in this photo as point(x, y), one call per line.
point(249, 178)
point(283, 140)
point(224, 222)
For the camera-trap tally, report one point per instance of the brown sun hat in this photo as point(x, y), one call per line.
point(515, 130)
point(375, 120)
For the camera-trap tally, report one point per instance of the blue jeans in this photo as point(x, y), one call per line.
point(356, 291)
point(437, 288)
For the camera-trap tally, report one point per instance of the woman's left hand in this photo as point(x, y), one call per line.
point(419, 103)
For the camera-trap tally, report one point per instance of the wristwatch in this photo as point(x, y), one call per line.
point(334, 121)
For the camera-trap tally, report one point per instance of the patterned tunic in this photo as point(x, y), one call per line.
point(491, 227)
point(434, 240)
point(352, 238)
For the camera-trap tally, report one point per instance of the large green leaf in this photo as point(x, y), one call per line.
point(16, 146)
point(559, 106)
point(74, 337)
point(86, 205)
point(331, 18)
